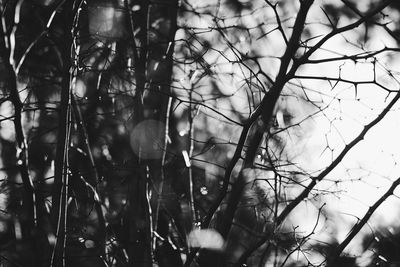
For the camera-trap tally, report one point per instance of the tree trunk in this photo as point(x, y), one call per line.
point(153, 66)
point(60, 186)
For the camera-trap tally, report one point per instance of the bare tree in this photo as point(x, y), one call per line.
point(176, 133)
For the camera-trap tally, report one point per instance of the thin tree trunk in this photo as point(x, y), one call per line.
point(60, 187)
point(153, 65)
point(28, 218)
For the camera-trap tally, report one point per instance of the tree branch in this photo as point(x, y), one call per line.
point(357, 227)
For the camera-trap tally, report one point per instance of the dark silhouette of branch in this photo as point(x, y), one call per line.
point(357, 227)
point(337, 31)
